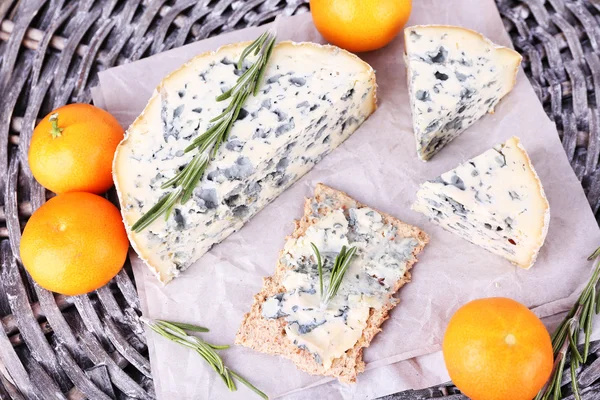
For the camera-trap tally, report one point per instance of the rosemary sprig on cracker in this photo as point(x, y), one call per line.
point(566, 337)
point(186, 180)
point(340, 266)
point(176, 332)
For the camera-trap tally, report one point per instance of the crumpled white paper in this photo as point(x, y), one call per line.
point(378, 166)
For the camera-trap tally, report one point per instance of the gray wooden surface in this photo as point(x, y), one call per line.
point(92, 346)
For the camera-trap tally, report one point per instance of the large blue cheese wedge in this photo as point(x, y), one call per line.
point(494, 200)
point(311, 99)
point(455, 76)
point(288, 318)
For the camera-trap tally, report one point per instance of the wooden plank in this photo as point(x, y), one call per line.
point(10, 322)
point(8, 101)
point(79, 378)
point(127, 288)
point(103, 28)
point(28, 325)
point(9, 359)
point(80, 24)
point(25, 13)
point(11, 204)
point(113, 309)
point(4, 394)
point(17, 338)
point(423, 395)
point(100, 376)
point(53, 314)
point(589, 393)
point(90, 317)
point(46, 386)
point(12, 213)
point(120, 379)
point(589, 373)
point(9, 391)
point(37, 94)
point(126, 350)
point(48, 37)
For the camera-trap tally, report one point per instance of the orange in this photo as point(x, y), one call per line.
point(496, 349)
point(72, 149)
point(360, 25)
point(75, 243)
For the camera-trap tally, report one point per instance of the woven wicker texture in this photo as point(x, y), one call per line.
point(92, 346)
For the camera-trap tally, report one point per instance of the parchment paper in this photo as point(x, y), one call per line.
point(378, 166)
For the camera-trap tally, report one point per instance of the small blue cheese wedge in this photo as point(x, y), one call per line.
point(311, 99)
point(288, 317)
point(494, 200)
point(455, 77)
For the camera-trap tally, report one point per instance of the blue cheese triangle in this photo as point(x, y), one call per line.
point(311, 99)
point(455, 77)
point(494, 200)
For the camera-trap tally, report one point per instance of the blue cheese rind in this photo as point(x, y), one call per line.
point(455, 77)
point(495, 200)
point(311, 99)
point(288, 317)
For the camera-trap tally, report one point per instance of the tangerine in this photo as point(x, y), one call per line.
point(74, 243)
point(360, 25)
point(72, 149)
point(497, 349)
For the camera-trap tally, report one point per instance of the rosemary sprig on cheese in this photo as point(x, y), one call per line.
point(186, 180)
point(566, 336)
point(176, 332)
point(340, 266)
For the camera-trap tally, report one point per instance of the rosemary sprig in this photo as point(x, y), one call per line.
point(566, 336)
point(186, 180)
point(340, 266)
point(176, 332)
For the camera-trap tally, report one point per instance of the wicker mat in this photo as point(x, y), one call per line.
point(92, 346)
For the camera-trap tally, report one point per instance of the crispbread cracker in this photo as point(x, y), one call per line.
point(269, 336)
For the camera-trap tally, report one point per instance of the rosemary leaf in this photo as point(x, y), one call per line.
point(208, 143)
point(201, 140)
point(249, 385)
point(588, 324)
point(320, 268)
point(171, 326)
point(557, 391)
point(559, 336)
point(340, 266)
point(176, 332)
point(226, 381)
point(594, 255)
point(192, 182)
point(574, 379)
point(219, 347)
point(211, 357)
point(261, 73)
point(583, 314)
point(540, 396)
point(163, 205)
point(572, 336)
point(230, 382)
point(247, 51)
point(188, 327)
